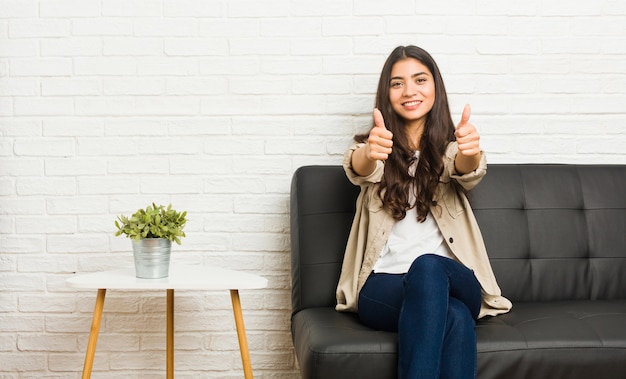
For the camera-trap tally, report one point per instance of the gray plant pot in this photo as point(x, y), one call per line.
point(152, 257)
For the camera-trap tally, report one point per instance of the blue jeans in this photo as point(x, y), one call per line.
point(433, 308)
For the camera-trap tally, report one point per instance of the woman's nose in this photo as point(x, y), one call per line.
point(410, 89)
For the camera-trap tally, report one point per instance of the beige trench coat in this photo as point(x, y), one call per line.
point(372, 225)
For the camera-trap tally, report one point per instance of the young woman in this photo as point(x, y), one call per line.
point(415, 262)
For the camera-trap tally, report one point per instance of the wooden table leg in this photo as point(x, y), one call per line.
point(93, 334)
point(170, 334)
point(241, 334)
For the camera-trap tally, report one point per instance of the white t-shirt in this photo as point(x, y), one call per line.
point(409, 239)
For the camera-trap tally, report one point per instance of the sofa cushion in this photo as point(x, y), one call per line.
point(570, 339)
point(331, 344)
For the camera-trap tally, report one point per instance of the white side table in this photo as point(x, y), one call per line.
point(181, 277)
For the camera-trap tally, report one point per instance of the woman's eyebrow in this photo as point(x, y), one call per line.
point(413, 76)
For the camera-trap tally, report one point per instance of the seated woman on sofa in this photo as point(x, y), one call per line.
point(415, 262)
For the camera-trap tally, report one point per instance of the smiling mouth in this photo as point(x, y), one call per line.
point(413, 103)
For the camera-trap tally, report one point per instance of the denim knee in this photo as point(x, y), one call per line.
point(425, 265)
point(430, 274)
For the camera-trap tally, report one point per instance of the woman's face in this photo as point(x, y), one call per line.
point(411, 91)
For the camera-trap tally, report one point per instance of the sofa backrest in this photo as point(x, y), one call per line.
point(322, 208)
point(553, 232)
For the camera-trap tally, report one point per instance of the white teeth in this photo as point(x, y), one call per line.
point(412, 103)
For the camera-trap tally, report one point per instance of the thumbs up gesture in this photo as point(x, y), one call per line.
point(467, 136)
point(380, 139)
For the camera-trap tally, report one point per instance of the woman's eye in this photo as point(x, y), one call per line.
point(421, 80)
point(396, 84)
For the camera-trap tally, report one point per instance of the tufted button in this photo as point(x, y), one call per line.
point(451, 240)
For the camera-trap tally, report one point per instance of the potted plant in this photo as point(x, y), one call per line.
point(152, 231)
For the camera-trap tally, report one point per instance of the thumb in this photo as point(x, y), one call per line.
point(379, 121)
point(467, 111)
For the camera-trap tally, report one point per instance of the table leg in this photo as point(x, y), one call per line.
point(241, 334)
point(93, 334)
point(170, 334)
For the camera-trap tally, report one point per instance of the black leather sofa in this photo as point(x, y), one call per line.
point(556, 237)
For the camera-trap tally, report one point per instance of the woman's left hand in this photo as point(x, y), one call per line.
point(467, 136)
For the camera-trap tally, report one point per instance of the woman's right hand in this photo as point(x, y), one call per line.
point(377, 148)
point(380, 140)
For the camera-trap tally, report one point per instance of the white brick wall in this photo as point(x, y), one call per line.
point(107, 105)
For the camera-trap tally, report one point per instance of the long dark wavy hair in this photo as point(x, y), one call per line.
point(438, 132)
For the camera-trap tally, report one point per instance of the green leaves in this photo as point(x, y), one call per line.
point(153, 222)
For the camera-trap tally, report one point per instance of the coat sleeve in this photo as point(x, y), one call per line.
point(374, 177)
point(347, 288)
point(469, 180)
